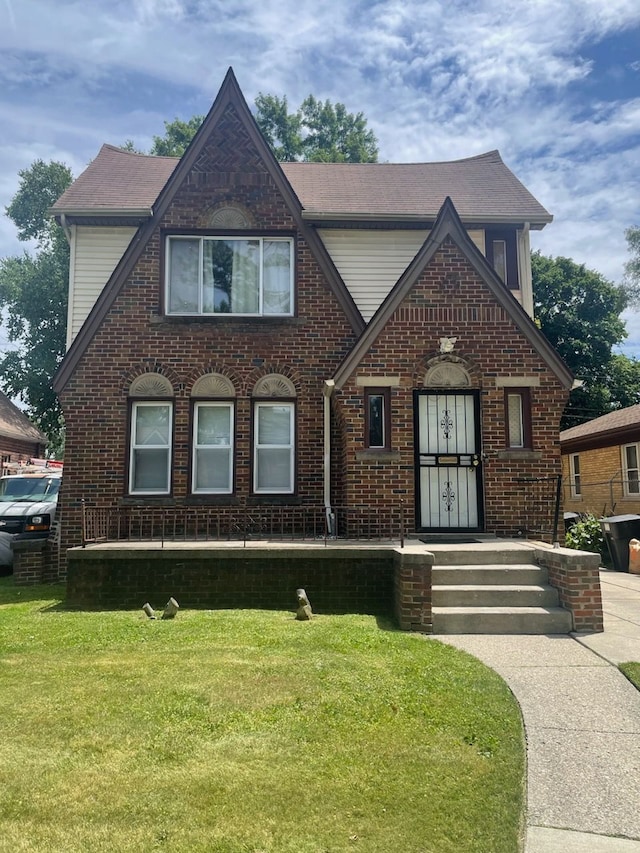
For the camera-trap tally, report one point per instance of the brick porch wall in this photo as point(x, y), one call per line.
point(575, 574)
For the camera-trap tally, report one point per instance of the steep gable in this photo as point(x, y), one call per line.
point(228, 153)
point(448, 227)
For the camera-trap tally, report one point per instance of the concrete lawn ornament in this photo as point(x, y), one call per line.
point(170, 609)
point(304, 613)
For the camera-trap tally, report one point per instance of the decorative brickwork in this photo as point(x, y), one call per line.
point(490, 346)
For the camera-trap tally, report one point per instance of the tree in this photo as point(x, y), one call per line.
point(33, 297)
point(177, 136)
point(317, 131)
point(632, 267)
point(579, 313)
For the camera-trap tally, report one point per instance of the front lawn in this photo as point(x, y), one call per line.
point(632, 671)
point(247, 732)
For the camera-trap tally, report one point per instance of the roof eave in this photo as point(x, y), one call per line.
point(535, 223)
point(102, 212)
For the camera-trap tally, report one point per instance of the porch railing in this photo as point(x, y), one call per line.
point(215, 524)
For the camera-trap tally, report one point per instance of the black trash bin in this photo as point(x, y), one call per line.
point(618, 530)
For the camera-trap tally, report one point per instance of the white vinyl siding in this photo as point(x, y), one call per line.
point(371, 261)
point(95, 254)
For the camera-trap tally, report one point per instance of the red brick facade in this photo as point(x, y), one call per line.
point(449, 299)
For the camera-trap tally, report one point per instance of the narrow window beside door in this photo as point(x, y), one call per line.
point(377, 427)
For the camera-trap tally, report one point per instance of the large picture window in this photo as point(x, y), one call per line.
point(273, 438)
point(212, 471)
point(150, 459)
point(231, 275)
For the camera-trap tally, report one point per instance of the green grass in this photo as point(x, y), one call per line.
point(247, 732)
point(632, 671)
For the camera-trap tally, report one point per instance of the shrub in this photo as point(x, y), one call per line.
point(586, 535)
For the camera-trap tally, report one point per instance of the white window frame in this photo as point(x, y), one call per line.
point(574, 475)
point(626, 469)
point(239, 238)
point(501, 273)
point(257, 448)
point(196, 447)
point(133, 447)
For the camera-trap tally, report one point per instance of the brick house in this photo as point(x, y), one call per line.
point(20, 440)
point(601, 464)
point(245, 333)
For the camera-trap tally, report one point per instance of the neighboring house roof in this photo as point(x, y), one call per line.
point(613, 428)
point(448, 224)
point(15, 424)
point(482, 189)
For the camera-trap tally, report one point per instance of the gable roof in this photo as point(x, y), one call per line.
point(448, 224)
point(15, 424)
point(229, 94)
point(483, 189)
point(117, 182)
point(614, 427)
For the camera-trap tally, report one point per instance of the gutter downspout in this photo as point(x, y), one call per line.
point(65, 227)
point(327, 391)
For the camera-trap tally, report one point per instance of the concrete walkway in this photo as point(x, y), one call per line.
point(582, 722)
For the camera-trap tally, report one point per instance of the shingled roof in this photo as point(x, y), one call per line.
point(614, 427)
point(483, 189)
point(15, 424)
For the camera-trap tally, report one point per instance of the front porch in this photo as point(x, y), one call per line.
point(384, 579)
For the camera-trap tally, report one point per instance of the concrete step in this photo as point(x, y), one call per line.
point(483, 554)
point(494, 595)
point(517, 574)
point(501, 620)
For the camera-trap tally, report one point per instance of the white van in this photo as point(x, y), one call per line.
point(28, 502)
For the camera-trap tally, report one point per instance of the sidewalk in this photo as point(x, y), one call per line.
point(582, 722)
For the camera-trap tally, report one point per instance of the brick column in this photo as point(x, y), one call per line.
point(29, 561)
point(576, 576)
point(412, 589)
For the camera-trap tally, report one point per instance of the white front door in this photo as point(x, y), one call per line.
point(449, 486)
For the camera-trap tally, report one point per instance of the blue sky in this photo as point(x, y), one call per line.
point(553, 84)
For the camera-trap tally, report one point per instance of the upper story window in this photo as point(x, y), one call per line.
point(502, 254)
point(245, 276)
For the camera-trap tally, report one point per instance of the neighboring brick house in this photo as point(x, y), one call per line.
point(601, 464)
point(249, 333)
point(20, 440)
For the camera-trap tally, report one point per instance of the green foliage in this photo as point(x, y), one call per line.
point(246, 731)
point(318, 131)
point(33, 297)
point(579, 313)
point(586, 535)
point(632, 672)
point(178, 134)
point(632, 267)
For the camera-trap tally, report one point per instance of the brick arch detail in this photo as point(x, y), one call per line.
point(428, 362)
point(152, 367)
